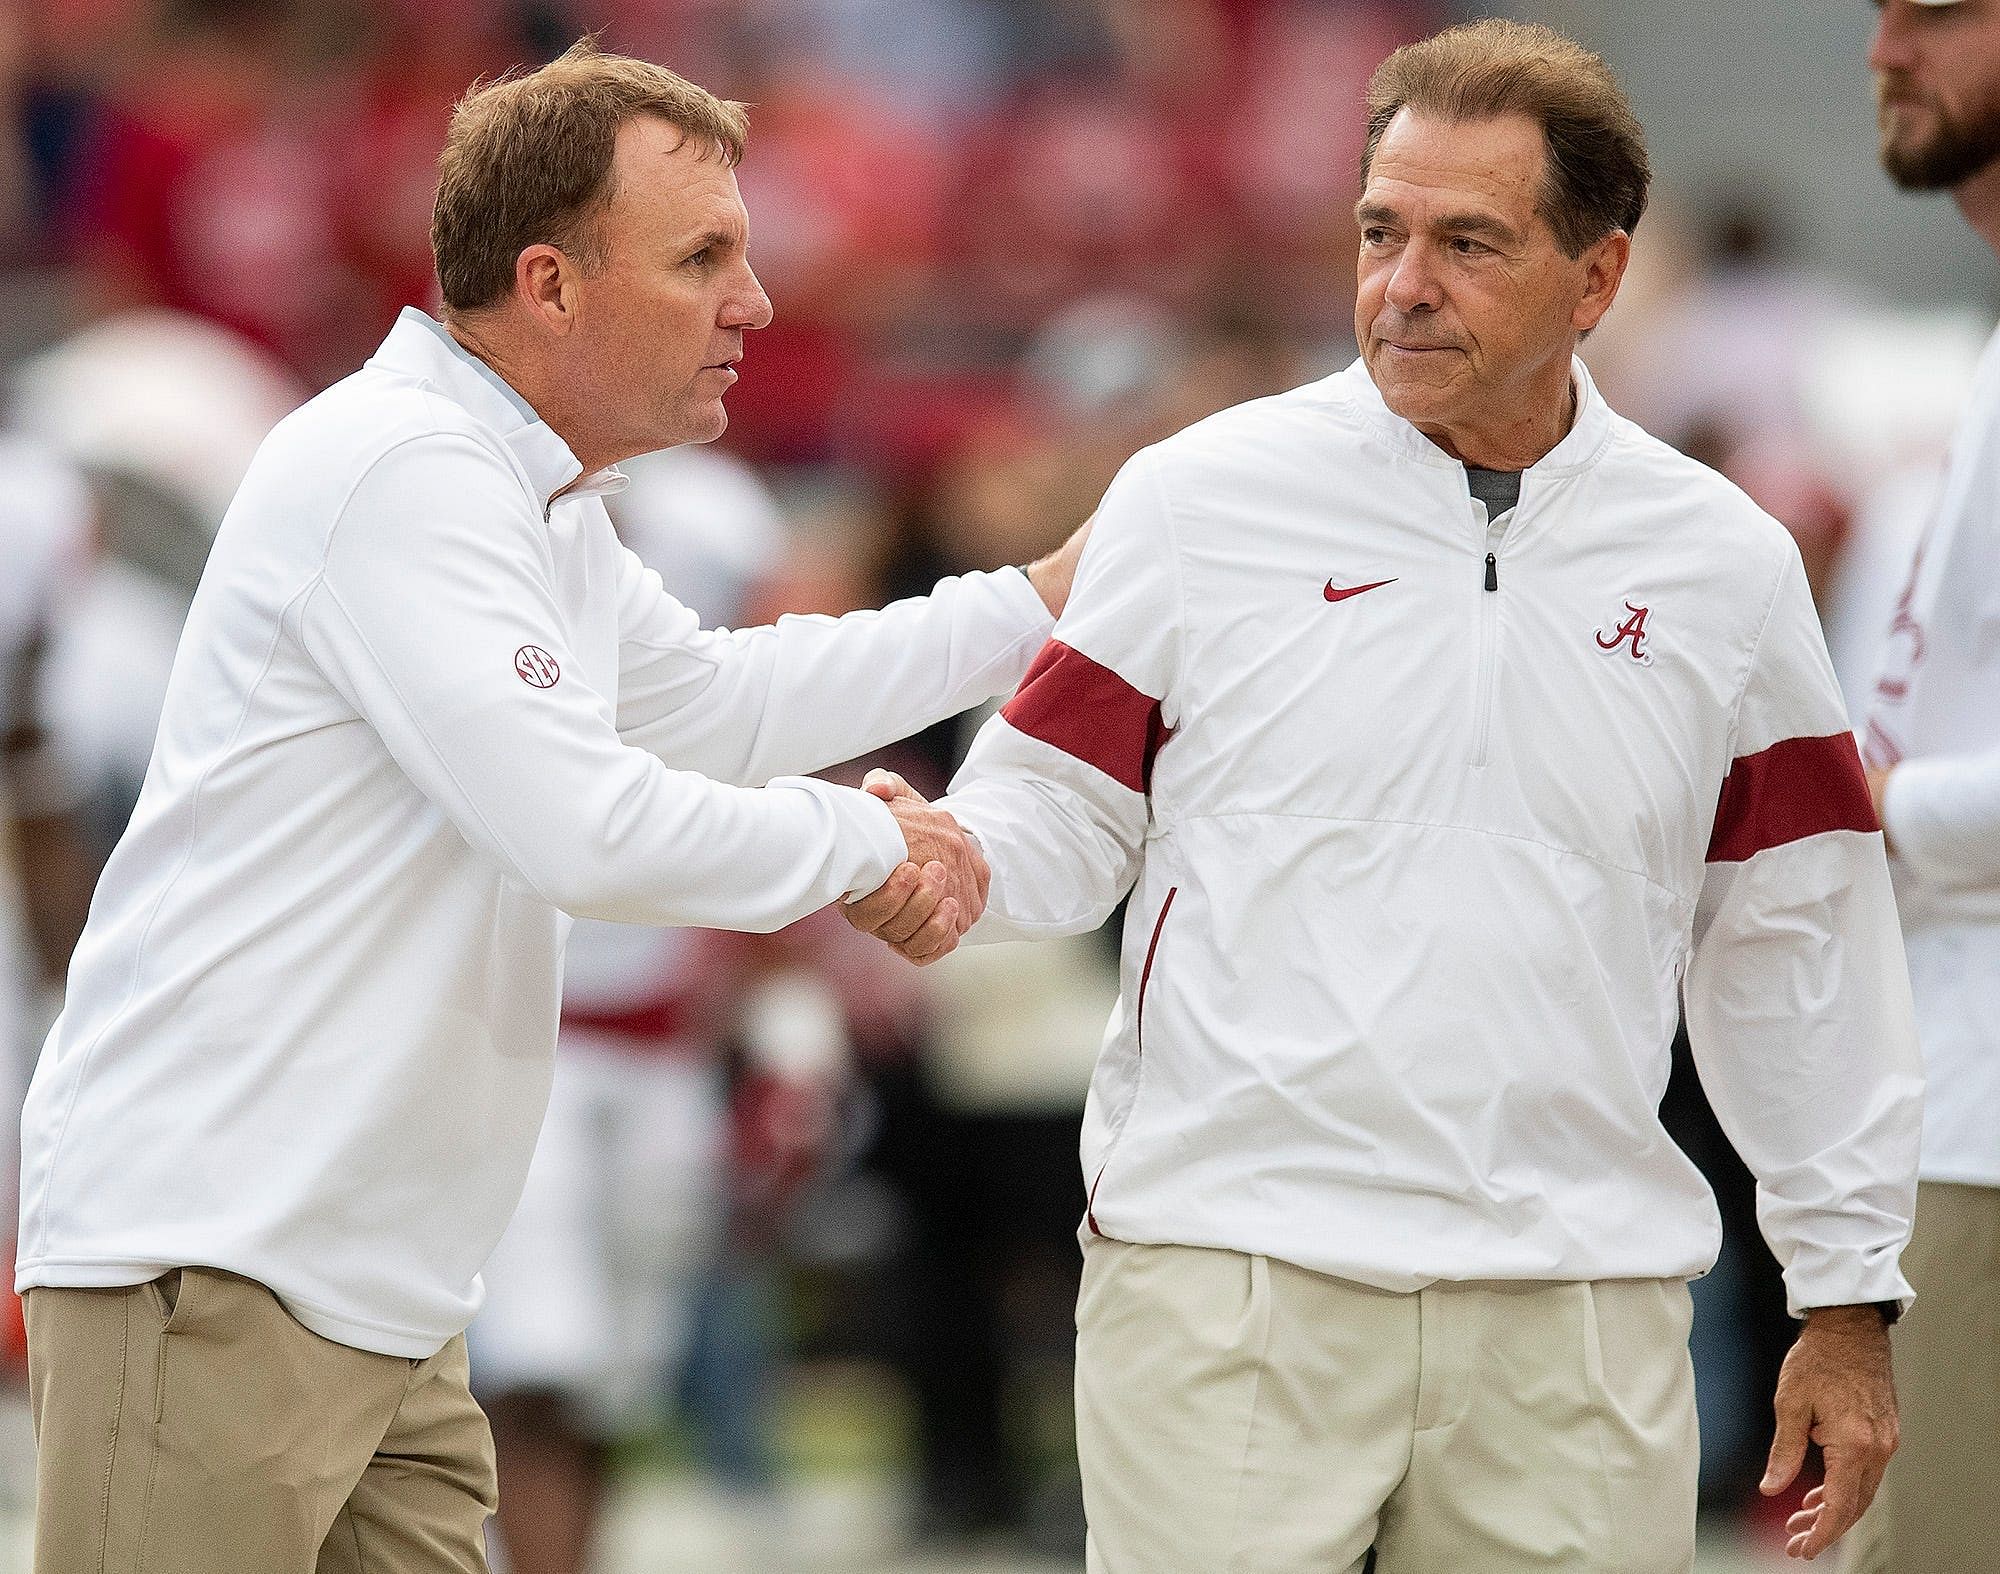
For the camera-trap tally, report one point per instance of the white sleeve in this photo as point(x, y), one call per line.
point(1056, 786)
point(808, 692)
point(1943, 815)
point(437, 574)
point(1797, 996)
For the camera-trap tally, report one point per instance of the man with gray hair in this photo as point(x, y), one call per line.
point(1445, 732)
point(1932, 745)
point(425, 709)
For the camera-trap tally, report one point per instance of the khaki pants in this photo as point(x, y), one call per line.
point(1934, 1513)
point(1237, 1415)
point(191, 1426)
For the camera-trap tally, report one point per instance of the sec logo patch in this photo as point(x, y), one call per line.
point(536, 666)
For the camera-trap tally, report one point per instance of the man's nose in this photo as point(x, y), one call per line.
point(748, 306)
point(1890, 49)
point(1414, 283)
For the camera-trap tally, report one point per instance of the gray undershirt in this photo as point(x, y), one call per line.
point(1499, 490)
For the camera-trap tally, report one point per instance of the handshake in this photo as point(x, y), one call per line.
point(937, 893)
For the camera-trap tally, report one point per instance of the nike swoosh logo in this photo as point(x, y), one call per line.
point(1353, 590)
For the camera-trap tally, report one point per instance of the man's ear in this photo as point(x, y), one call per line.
point(546, 281)
point(1604, 265)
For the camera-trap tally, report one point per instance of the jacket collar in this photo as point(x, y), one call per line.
point(420, 346)
point(1579, 449)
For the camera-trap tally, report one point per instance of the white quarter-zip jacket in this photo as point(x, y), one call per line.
point(426, 705)
point(1936, 719)
point(1426, 822)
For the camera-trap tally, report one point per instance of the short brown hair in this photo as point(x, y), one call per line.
point(1597, 167)
point(527, 161)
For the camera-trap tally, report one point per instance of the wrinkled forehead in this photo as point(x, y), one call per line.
point(1423, 163)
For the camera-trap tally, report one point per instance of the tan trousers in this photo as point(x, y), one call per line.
point(191, 1426)
point(1237, 1415)
point(1934, 1513)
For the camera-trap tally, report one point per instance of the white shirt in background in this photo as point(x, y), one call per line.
point(1936, 718)
point(46, 510)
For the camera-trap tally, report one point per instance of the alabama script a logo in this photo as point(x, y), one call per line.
point(1634, 629)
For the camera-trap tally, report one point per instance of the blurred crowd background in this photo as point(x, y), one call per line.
point(821, 1205)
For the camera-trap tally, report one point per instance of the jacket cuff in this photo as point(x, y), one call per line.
point(869, 830)
point(1021, 597)
point(1871, 1279)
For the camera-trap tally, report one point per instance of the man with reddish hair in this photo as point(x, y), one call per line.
point(427, 709)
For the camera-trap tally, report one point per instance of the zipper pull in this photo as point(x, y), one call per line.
point(1492, 572)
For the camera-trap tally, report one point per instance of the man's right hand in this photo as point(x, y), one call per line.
point(937, 894)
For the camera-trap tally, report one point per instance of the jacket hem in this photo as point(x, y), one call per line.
point(100, 1273)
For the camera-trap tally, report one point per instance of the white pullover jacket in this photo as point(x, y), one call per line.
point(1936, 719)
point(1426, 823)
point(423, 708)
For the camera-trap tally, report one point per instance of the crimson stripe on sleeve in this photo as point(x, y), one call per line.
point(1798, 788)
point(1088, 711)
point(662, 1018)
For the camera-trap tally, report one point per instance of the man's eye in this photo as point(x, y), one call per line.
point(1374, 235)
point(700, 258)
point(1467, 247)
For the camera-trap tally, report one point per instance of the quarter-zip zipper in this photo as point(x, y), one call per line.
point(1489, 648)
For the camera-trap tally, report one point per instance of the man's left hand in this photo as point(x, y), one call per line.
point(1835, 1390)
point(1053, 575)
